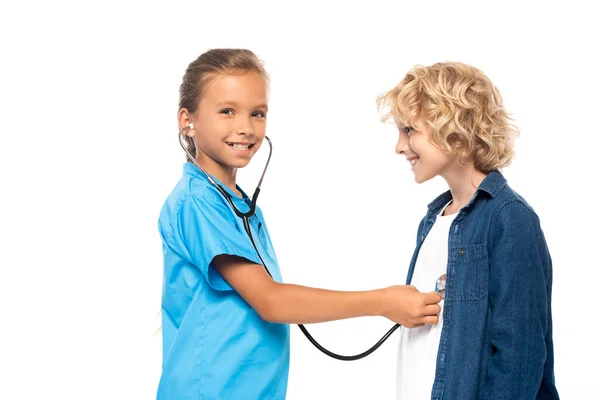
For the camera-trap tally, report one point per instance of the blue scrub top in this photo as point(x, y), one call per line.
point(215, 346)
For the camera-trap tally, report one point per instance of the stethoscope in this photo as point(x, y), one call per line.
point(245, 216)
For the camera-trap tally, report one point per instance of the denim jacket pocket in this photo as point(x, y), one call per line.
point(469, 273)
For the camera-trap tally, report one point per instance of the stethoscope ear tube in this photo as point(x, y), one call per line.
point(227, 196)
point(245, 216)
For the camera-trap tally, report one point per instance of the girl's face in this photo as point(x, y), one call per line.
point(231, 120)
point(426, 159)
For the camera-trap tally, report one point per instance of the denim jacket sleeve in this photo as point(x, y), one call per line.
point(520, 274)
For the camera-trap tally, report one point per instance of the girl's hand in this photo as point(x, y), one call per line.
point(410, 308)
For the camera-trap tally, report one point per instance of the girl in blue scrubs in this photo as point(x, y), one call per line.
point(225, 320)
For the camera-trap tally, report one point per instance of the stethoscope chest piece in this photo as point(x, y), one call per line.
point(440, 285)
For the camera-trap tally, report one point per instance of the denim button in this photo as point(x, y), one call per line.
point(462, 252)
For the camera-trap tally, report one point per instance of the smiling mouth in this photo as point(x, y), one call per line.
point(239, 146)
point(413, 161)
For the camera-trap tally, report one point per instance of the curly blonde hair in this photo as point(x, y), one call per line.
point(463, 108)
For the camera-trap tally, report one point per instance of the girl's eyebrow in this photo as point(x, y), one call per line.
point(263, 106)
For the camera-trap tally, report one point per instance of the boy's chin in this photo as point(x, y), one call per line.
point(422, 179)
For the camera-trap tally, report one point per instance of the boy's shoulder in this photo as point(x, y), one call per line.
point(509, 208)
point(500, 194)
point(508, 195)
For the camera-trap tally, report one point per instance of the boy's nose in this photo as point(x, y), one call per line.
point(402, 145)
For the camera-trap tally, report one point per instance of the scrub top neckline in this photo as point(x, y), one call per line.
point(190, 167)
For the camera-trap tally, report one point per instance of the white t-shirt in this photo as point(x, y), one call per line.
point(417, 355)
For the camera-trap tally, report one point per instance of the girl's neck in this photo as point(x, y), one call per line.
point(225, 174)
point(463, 182)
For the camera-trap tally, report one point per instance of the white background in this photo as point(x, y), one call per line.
point(89, 153)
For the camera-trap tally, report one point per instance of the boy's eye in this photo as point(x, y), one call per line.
point(227, 111)
point(408, 130)
point(259, 114)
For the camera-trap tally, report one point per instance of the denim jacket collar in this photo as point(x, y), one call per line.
point(492, 184)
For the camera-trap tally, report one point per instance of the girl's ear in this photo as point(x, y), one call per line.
point(185, 122)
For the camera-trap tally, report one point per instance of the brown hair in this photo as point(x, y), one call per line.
point(208, 66)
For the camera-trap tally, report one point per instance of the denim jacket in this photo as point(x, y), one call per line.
point(496, 341)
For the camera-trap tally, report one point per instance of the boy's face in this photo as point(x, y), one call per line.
point(231, 119)
point(426, 159)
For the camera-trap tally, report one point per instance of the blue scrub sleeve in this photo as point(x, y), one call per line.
point(209, 228)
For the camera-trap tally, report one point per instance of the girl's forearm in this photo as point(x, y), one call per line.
point(295, 304)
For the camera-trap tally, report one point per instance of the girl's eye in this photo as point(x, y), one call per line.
point(227, 111)
point(408, 130)
point(259, 114)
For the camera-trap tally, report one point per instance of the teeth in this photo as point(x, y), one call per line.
point(240, 146)
point(413, 162)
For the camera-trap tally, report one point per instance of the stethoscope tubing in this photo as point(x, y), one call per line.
point(245, 216)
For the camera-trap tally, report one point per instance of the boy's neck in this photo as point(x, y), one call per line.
point(463, 183)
